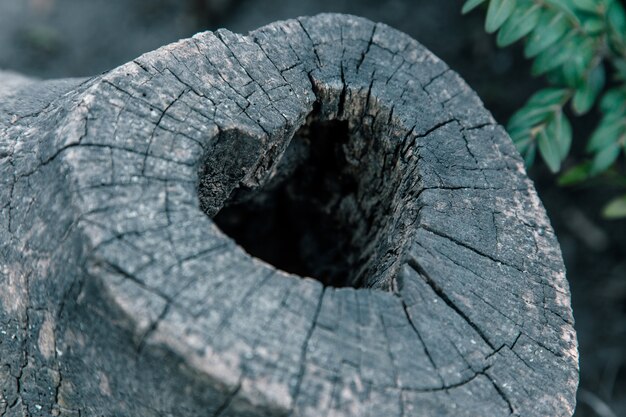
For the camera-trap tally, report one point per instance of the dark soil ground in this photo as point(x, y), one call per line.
point(61, 38)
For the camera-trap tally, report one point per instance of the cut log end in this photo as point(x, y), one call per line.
point(318, 218)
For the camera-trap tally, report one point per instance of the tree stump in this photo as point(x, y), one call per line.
point(319, 218)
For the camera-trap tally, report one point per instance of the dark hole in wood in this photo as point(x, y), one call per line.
point(293, 222)
point(337, 206)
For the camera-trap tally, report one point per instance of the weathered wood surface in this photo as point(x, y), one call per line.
point(120, 297)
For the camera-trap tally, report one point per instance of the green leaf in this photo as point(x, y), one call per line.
point(556, 77)
point(560, 130)
point(605, 135)
point(522, 140)
point(580, 57)
point(604, 159)
point(555, 56)
point(497, 13)
point(550, 97)
point(538, 108)
point(613, 100)
point(586, 5)
point(586, 95)
point(616, 21)
point(575, 175)
point(519, 134)
point(616, 208)
point(550, 152)
point(521, 23)
point(616, 17)
point(529, 155)
point(563, 5)
point(615, 116)
point(594, 25)
point(551, 28)
point(620, 67)
point(471, 5)
point(527, 117)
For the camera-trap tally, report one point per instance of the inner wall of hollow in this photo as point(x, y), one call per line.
point(368, 219)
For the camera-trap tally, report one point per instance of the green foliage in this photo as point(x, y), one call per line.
point(572, 43)
point(497, 13)
point(616, 208)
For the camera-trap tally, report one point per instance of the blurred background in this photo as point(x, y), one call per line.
point(63, 38)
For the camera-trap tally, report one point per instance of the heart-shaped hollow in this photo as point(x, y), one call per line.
point(329, 209)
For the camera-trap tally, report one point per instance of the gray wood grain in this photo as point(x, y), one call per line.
point(121, 297)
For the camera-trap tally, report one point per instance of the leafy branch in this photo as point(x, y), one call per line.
point(572, 43)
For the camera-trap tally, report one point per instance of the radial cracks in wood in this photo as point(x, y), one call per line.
point(305, 346)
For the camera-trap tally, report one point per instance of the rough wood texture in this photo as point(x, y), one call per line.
point(121, 297)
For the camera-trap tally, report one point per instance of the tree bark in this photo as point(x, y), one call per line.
point(445, 291)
